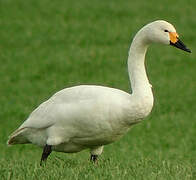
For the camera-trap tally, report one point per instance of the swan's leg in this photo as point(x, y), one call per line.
point(46, 152)
point(95, 152)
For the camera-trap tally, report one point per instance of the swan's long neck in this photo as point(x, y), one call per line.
point(136, 67)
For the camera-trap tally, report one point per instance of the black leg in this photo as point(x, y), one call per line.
point(94, 158)
point(46, 152)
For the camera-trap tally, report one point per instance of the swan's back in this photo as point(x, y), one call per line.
point(76, 101)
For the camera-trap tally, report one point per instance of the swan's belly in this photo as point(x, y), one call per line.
point(68, 147)
point(76, 144)
point(79, 143)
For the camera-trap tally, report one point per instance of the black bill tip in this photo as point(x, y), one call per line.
point(179, 44)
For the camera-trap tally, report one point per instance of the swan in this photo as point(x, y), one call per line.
point(90, 116)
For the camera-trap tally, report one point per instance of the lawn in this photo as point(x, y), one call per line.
point(47, 45)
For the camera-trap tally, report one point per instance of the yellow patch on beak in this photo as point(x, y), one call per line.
point(173, 37)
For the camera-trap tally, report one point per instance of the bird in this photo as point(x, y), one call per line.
point(92, 116)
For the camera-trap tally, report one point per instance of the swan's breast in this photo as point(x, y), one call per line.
point(142, 106)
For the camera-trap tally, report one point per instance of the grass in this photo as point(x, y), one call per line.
point(48, 45)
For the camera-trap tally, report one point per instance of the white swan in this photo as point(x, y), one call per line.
point(89, 116)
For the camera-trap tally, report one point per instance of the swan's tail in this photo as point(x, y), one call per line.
point(17, 137)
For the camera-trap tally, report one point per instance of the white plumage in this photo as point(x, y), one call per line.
point(89, 116)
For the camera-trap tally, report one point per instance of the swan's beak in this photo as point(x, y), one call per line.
point(175, 41)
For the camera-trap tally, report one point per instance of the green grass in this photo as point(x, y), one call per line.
point(48, 45)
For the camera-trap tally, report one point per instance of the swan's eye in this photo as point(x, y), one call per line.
point(166, 30)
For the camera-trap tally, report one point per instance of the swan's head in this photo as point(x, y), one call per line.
point(163, 32)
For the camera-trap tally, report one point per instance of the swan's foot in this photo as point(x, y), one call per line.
point(95, 152)
point(94, 158)
point(46, 152)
